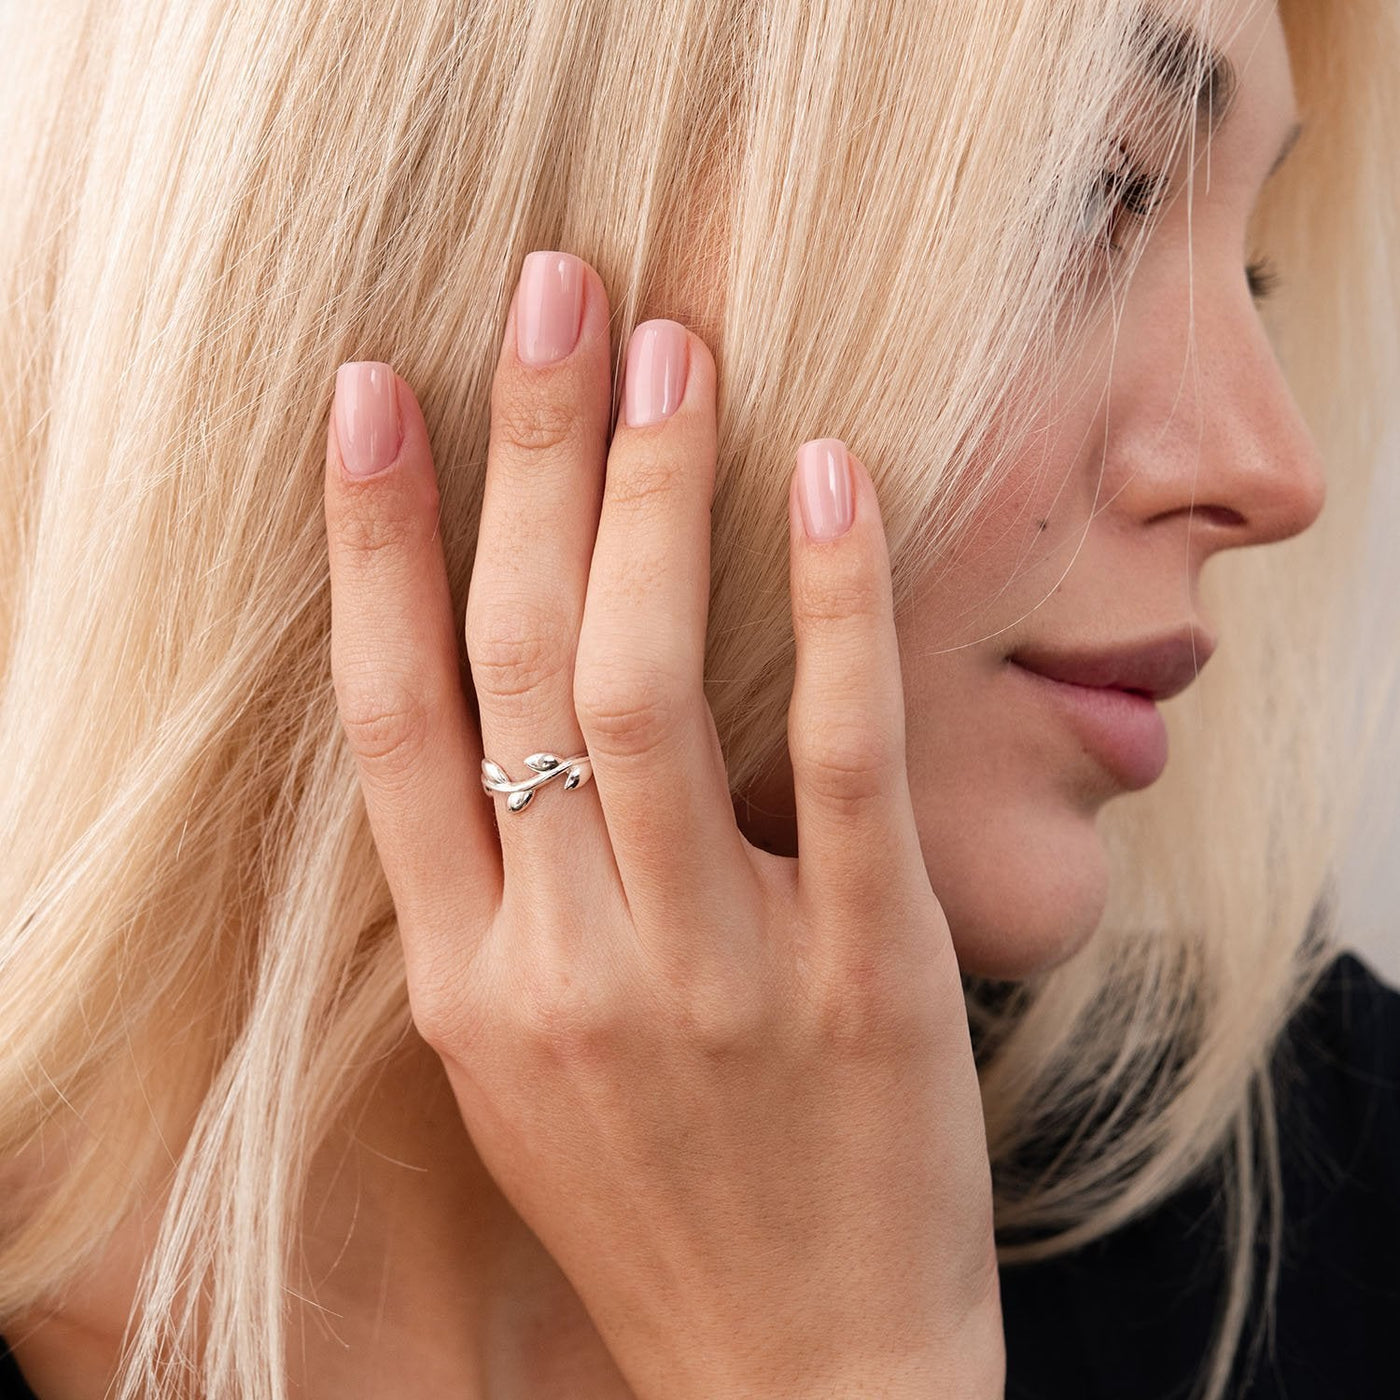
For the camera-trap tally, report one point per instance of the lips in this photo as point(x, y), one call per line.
point(1157, 667)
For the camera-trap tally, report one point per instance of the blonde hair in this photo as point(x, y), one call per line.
point(209, 205)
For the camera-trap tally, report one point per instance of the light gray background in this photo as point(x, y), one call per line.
point(1370, 876)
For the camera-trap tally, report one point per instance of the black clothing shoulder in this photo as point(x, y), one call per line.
point(1130, 1317)
point(12, 1386)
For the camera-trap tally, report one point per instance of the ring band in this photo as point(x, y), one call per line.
point(576, 771)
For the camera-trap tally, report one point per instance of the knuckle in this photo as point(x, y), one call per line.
point(515, 647)
point(383, 525)
point(720, 1016)
point(839, 591)
point(386, 720)
point(845, 763)
point(630, 707)
point(529, 418)
point(649, 482)
point(863, 1003)
point(562, 1016)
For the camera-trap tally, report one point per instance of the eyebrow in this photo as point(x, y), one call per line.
point(1189, 68)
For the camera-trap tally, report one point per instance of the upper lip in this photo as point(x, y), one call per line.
point(1158, 667)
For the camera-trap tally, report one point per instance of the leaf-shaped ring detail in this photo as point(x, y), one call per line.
point(575, 771)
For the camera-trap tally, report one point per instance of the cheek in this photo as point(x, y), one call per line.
point(1007, 832)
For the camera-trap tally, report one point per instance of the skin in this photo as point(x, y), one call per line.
point(441, 1287)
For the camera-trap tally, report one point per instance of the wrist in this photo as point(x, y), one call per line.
point(969, 1366)
point(973, 1367)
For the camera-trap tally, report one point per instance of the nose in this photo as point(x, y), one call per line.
point(1216, 437)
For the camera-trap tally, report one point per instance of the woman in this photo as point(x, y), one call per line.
point(321, 1081)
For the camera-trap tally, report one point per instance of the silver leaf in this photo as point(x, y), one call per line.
point(517, 800)
point(542, 762)
point(494, 771)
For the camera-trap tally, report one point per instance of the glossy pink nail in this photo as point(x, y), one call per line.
point(549, 312)
point(658, 360)
point(824, 489)
point(367, 425)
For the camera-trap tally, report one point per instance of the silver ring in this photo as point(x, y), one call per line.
point(576, 771)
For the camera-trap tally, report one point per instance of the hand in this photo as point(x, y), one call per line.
point(732, 1093)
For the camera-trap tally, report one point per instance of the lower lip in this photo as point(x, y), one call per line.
point(1124, 731)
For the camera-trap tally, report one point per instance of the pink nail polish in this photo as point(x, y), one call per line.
point(367, 425)
point(658, 360)
point(549, 312)
point(824, 488)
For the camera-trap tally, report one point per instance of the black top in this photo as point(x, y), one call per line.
point(1129, 1317)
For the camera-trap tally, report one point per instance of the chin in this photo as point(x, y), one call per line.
point(1021, 895)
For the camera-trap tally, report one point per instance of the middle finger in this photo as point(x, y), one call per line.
point(550, 414)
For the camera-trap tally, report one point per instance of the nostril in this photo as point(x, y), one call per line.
point(1218, 515)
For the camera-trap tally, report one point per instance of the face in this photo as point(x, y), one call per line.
point(1155, 449)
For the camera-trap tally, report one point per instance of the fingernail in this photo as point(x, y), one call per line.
point(658, 357)
point(824, 491)
point(367, 423)
point(549, 312)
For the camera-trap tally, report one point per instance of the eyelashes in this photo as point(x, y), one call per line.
point(1263, 278)
point(1128, 190)
point(1124, 189)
